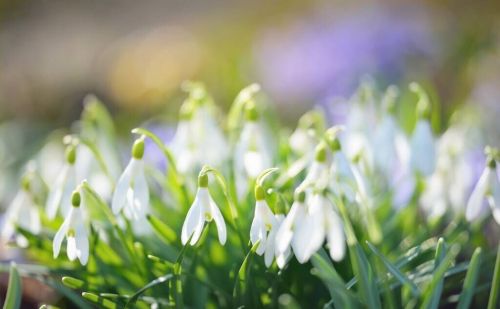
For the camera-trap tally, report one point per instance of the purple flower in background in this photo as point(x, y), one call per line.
point(316, 59)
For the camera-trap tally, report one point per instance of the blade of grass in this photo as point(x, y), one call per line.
point(15, 289)
point(395, 271)
point(495, 284)
point(470, 280)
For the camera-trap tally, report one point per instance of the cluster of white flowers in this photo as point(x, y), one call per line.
point(350, 165)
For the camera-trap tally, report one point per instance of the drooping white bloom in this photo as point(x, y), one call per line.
point(60, 194)
point(198, 139)
point(202, 210)
point(433, 199)
point(318, 173)
point(252, 154)
point(487, 188)
point(131, 192)
point(320, 221)
point(287, 229)
point(75, 231)
point(302, 141)
point(343, 181)
point(183, 146)
point(24, 213)
point(263, 223)
point(423, 149)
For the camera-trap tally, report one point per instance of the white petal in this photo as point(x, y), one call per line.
point(423, 149)
point(494, 199)
point(122, 186)
point(335, 236)
point(219, 222)
point(68, 188)
point(476, 200)
point(59, 237)
point(82, 244)
point(191, 221)
point(285, 232)
point(11, 216)
point(254, 163)
point(71, 248)
point(55, 195)
point(141, 192)
point(269, 252)
point(198, 229)
point(309, 236)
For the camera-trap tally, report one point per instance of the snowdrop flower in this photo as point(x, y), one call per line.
point(320, 221)
point(22, 212)
point(488, 187)
point(202, 210)
point(423, 149)
point(264, 227)
point(131, 192)
point(286, 231)
point(60, 194)
point(318, 173)
point(75, 232)
point(252, 154)
point(343, 181)
point(183, 145)
point(303, 139)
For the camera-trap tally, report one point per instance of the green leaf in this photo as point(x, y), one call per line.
point(166, 233)
point(73, 283)
point(241, 281)
point(470, 280)
point(341, 296)
point(395, 271)
point(495, 284)
point(151, 284)
point(101, 301)
point(443, 260)
point(15, 289)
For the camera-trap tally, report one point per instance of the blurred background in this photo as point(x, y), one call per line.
point(135, 54)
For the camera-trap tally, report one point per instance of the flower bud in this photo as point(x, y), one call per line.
point(251, 113)
point(203, 181)
point(76, 199)
point(259, 193)
point(71, 154)
point(138, 148)
point(300, 196)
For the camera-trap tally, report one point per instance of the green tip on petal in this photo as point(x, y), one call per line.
point(76, 199)
point(26, 183)
point(138, 148)
point(203, 181)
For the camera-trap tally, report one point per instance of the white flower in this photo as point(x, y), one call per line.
point(287, 229)
point(131, 192)
point(302, 141)
point(488, 187)
point(434, 198)
point(23, 212)
point(202, 210)
point(60, 194)
point(320, 221)
point(74, 230)
point(183, 146)
point(318, 173)
point(263, 223)
point(423, 149)
point(213, 147)
point(252, 154)
point(343, 181)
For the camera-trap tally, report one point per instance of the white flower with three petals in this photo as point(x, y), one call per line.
point(60, 194)
point(487, 188)
point(74, 229)
point(320, 222)
point(24, 213)
point(131, 192)
point(204, 209)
